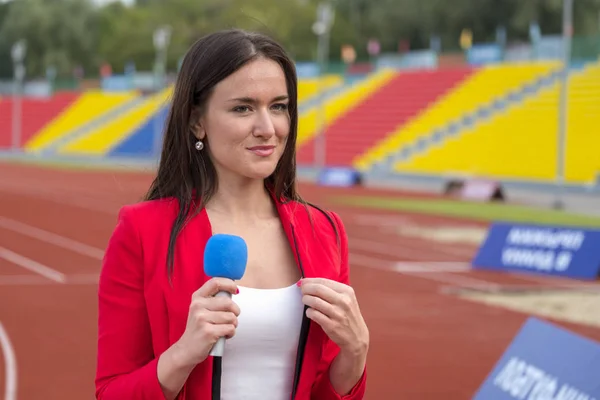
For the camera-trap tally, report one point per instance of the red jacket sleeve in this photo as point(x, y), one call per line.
point(322, 389)
point(126, 364)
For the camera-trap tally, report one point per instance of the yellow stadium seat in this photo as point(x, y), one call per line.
point(89, 106)
point(483, 87)
point(308, 88)
point(517, 143)
point(582, 150)
point(104, 137)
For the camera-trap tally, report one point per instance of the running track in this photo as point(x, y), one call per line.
point(54, 224)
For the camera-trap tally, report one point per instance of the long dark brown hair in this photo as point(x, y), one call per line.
point(188, 175)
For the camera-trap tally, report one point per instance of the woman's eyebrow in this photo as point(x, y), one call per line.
point(254, 101)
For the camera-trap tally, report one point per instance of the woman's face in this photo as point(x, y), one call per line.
point(246, 121)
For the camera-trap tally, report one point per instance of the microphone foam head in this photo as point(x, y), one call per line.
point(225, 256)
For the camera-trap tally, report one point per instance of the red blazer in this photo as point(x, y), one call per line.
point(141, 315)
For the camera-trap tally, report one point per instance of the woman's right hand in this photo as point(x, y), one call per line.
point(209, 319)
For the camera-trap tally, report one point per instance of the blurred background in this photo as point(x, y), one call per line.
point(436, 117)
point(92, 78)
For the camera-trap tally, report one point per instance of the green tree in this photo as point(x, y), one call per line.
point(5, 57)
point(58, 33)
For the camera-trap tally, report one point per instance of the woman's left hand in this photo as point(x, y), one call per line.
point(334, 307)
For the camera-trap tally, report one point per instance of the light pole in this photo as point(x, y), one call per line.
point(322, 28)
point(161, 39)
point(563, 102)
point(18, 52)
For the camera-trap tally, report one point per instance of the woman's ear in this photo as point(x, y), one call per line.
point(198, 131)
point(197, 125)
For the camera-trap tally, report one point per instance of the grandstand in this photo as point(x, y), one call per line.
point(38, 111)
point(338, 104)
point(515, 142)
point(309, 88)
point(84, 111)
point(498, 121)
point(583, 138)
point(485, 87)
point(105, 136)
point(519, 140)
point(395, 101)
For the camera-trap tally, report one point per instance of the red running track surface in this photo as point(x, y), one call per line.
point(425, 343)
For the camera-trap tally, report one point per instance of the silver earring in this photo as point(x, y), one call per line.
point(199, 145)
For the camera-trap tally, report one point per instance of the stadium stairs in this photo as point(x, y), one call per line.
point(488, 90)
point(309, 88)
point(389, 105)
point(582, 152)
point(308, 103)
point(488, 97)
point(106, 135)
point(337, 105)
point(92, 108)
point(144, 140)
point(519, 142)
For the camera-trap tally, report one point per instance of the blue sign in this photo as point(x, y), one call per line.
point(549, 47)
point(481, 54)
point(545, 362)
point(307, 70)
point(570, 252)
point(416, 59)
point(339, 176)
point(116, 83)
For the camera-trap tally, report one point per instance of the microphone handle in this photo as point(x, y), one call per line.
point(219, 347)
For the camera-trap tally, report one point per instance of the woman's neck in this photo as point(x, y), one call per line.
point(242, 200)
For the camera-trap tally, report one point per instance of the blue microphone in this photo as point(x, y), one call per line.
point(225, 256)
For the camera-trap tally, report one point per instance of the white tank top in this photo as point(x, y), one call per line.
point(258, 362)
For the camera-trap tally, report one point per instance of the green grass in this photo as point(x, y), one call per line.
point(474, 210)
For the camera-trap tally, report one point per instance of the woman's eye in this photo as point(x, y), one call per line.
point(241, 109)
point(280, 107)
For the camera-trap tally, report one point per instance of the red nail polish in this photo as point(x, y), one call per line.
point(298, 283)
point(237, 291)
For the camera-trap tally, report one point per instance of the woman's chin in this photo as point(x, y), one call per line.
point(260, 172)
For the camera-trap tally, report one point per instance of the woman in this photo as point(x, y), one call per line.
point(293, 327)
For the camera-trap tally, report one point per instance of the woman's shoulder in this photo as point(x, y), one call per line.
point(149, 210)
point(149, 218)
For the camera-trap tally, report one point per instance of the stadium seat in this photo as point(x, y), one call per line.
point(87, 108)
point(482, 88)
point(340, 104)
point(36, 113)
point(308, 88)
point(583, 119)
point(106, 136)
point(518, 142)
point(390, 105)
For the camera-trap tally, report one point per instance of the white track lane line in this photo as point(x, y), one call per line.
point(10, 365)
point(36, 280)
point(32, 265)
point(24, 280)
point(57, 195)
point(432, 267)
point(51, 238)
point(399, 248)
point(436, 276)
